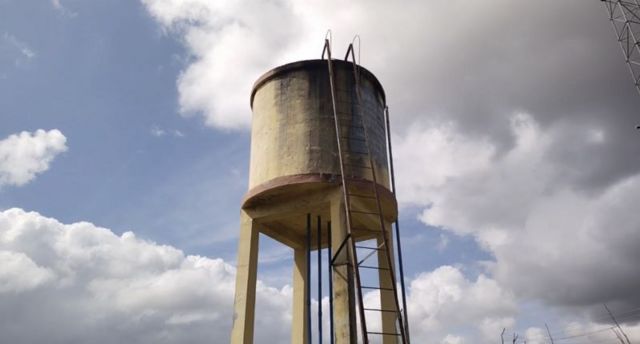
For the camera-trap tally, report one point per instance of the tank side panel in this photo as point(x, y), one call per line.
point(290, 128)
point(293, 130)
point(373, 112)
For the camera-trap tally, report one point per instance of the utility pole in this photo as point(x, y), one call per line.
point(617, 325)
point(502, 335)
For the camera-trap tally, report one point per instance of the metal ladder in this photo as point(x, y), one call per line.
point(380, 232)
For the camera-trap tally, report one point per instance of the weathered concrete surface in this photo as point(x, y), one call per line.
point(299, 326)
point(344, 307)
point(293, 129)
point(387, 297)
point(246, 275)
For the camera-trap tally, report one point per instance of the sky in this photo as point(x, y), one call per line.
point(124, 153)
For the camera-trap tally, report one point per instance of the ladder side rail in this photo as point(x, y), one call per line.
point(400, 264)
point(353, 255)
point(378, 204)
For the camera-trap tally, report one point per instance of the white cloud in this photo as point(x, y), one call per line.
point(159, 132)
point(20, 273)
point(535, 335)
point(474, 73)
point(451, 339)
point(444, 301)
point(82, 283)
point(79, 283)
point(429, 157)
point(530, 211)
point(232, 43)
point(14, 47)
point(24, 155)
point(230, 48)
point(512, 181)
point(57, 4)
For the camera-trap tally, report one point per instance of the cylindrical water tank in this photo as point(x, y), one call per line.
point(293, 135)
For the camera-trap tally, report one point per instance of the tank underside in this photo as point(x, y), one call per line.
point(281, 206)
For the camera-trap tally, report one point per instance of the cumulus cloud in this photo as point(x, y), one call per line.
point(529, 210)
point(20, 273)
point(24, 155)
point(79, 283)
point(444, 301)
point(230, 48)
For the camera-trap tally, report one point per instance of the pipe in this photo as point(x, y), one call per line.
point(393, 186)
point(319, 281)
point(330, 267)
point(308, 281)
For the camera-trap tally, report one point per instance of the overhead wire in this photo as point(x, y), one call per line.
point(634, 312)
point(565, 335)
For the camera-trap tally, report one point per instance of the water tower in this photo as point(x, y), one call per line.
point(320, 180)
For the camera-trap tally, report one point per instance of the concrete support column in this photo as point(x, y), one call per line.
point(387, 301)
point(299, 326)
point(344, 317)
point(246, 274)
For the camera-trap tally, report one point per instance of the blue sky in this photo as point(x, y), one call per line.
point(509, 145)
point(107, 86)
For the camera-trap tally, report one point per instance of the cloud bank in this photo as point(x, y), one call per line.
point(530, 211)
point(80, 283)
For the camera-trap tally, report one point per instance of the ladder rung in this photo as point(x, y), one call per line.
point(370, 248)
point(380, 310)
point(377, 288)
point(373, 251)
point(385, 333)
point(372, 267)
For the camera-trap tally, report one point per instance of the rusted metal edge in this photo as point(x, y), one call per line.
point(328, 179)
point(312, 64)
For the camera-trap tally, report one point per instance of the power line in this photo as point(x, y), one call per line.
point(617, 325)
point(634, 312)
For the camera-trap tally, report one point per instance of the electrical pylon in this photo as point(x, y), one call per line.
point(625, 17)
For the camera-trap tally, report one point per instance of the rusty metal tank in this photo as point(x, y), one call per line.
point(293, 137)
